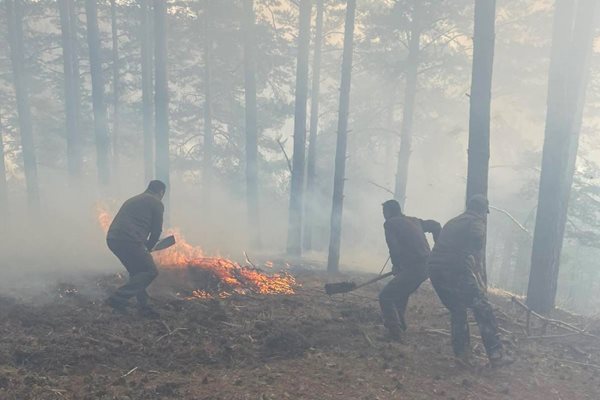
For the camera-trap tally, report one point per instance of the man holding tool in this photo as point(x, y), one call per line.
point(133, 233)
point(409, 251)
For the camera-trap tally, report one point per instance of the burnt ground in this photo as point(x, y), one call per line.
point(65, 344)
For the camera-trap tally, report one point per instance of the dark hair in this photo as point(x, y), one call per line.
point(393, 207)
point(156, 187)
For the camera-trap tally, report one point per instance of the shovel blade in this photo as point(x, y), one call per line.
point(340, 287)
point(164, 243)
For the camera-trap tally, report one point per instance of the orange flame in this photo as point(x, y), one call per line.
point(232, 277)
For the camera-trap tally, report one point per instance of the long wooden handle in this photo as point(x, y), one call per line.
point(380, 277)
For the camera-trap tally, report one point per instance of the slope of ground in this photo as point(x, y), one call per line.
point(66, 345)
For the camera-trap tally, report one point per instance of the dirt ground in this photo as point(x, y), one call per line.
point(65, 344)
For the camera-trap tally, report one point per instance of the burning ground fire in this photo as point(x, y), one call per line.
point(226, 276)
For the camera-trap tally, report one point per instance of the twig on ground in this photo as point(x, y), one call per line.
point(552, 336)
point(575, 362)
point(130, 372)
point(174, 331)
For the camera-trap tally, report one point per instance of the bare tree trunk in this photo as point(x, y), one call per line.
point(311, 173)
point(3, 181)
point(74, 155)
point(506, 264)
point(294, 242)
point(207, 173)
point(100, 122)
point(14, 16)
point(74, 23)
point(161, 95)
point(410, 94)
point(251, 123)
point(99, 106)
point(147, 89)
point(566, 90)
point(480, 104)
point(335, 239)
point(115, 71)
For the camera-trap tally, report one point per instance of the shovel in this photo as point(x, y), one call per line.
point(345, 287)
point(164, 243)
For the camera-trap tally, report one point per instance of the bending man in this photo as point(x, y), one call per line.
point(409, 250)
point(454, 267)
point(132, 234)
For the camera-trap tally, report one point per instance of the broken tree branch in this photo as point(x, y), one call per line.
point(289, 163)
point(513, 219)
point(381, 187)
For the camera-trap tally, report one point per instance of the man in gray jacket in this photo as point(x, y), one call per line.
point(134, 231)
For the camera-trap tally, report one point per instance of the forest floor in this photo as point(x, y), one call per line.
point(65, 344)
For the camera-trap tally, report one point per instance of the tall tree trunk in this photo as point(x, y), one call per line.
point(74, 23)
point(335, 239)
point(506, 264)
point(251, 122)
point(3, 181)
point(100, 122)
point(207, 168)
point(566, 89)
point(480, 104)
point(147, 89)
point(115, 79)
point(311, 173)
point(14, 16)
point(410, 93)
point(74, 155)
point(161, 95)
point(294, 242)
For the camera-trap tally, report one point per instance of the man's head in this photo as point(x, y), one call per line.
point(391, 208)
point(157, 188)
point(479, 204)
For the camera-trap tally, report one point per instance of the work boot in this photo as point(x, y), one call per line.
point(118, 307)
point(394, 334)
point(498, 359)
point(148, 312)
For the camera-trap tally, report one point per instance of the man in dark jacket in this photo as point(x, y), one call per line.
point(454, 268)
point(409, 250)
point(133, 233)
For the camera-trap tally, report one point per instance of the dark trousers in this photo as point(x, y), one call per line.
point(459, 290)
point(140, 265)
point(393, 299)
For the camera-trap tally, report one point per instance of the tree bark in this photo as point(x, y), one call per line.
point(208, 133)
point(480, 104)
point(74, 153)
point(571, 47)
point(311, 173)
point(335, 239)
point(294, 242)
point(115, 79)
point(161, 95)
point(147, 89)
point(251, 123)
point(14, 14)
point(410, 94)
point(3, 180)
point(99, 106)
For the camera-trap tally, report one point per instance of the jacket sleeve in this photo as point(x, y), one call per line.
point(432, 227)
point(392, 242)
point(156, 227)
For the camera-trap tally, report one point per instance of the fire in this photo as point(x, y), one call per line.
point(231, 277)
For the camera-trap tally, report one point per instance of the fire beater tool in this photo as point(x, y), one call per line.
point(164, 243)
point(345, 287)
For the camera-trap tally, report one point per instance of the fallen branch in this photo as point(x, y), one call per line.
point(249, 261)
point(550, 321)
point(552, 336)
point(575, 362)
point(130, 372)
